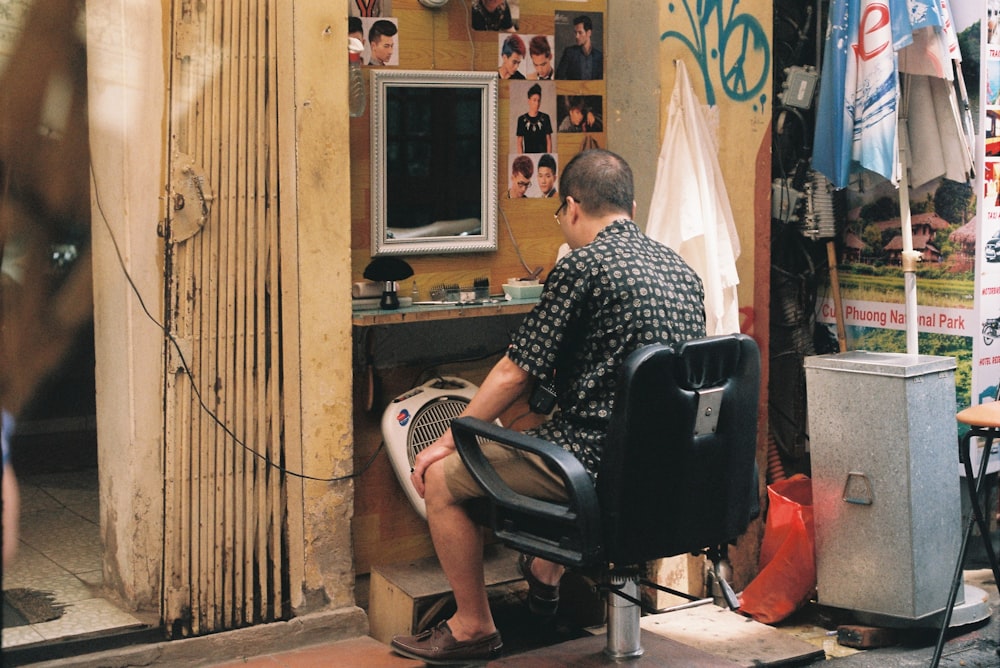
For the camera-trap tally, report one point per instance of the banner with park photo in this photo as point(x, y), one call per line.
point(947, 226)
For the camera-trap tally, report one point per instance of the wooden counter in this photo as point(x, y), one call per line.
point(401, 316)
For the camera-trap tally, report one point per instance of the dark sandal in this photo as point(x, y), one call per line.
point(543, 599)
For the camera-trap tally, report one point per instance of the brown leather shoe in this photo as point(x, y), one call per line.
point(543, 599)
point(438, 647)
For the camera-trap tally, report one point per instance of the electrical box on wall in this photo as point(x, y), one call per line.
point(799, 86)
point(785, 201)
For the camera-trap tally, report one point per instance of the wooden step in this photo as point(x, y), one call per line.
point(402, 594)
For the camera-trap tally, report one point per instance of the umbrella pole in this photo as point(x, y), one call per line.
point(909, 257)
point(831, 261)
point(966, 115)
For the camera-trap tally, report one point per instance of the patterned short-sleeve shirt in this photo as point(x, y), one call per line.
point(601, 302)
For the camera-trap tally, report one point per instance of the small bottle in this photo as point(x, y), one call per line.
point(414, 292)
point(356, 79)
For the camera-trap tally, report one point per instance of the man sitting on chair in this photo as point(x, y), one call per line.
point(616, 290)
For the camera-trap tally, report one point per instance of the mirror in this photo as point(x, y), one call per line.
point(434, 162)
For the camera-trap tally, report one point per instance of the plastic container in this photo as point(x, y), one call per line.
point(356, 80)
point(522, 289)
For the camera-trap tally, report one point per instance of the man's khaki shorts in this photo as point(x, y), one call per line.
point(525, 472)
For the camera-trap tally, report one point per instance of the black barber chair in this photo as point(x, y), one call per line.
point(678, 475)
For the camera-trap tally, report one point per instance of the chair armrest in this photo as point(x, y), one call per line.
point(569, 532)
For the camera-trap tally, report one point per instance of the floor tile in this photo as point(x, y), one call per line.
point(65, 538)
point(93, 578)
point(31, 569)
point(87, 616)
point(20, 635)
point(60, 553)
point(35, 499)
point(63, 586)
point(72, 496)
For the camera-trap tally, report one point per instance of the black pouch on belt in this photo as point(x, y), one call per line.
point(542, 399)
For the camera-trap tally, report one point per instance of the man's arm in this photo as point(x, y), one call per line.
point(501, 388)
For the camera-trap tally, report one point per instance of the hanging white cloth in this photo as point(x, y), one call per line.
point(690, 209)
point(937, 142)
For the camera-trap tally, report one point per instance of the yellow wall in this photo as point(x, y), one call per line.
point(324, 343)
point(744, 116)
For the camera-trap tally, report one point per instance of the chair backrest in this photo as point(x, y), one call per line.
point(678, 471)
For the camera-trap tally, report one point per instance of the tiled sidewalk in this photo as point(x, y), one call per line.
point(60, 556)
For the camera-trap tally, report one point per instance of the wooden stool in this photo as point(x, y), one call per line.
point(983, 421)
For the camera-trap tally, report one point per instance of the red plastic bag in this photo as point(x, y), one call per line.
point(787, 574)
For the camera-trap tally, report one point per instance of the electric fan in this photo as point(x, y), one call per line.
point(417, 418)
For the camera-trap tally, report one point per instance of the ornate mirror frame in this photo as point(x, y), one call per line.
point(433, 161)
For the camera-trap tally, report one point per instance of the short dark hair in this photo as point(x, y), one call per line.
point(588, 25)
point(381, 28)
point(547, 161)
point(539, 46)
point(535, 90)
point(513, 44)
point(354, 25)
point(523, 165)
point(600, 181)
point(575, 102)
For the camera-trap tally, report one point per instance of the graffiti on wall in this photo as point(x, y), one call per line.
point(730, 48)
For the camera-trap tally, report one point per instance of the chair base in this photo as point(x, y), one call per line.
point(623, 618)
point(625, 608)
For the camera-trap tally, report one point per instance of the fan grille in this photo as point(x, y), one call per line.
point(432, 421)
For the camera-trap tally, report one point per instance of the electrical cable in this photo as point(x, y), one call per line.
point(517, 249)
point(478, 358)
point(187, 371)
point(468, 31)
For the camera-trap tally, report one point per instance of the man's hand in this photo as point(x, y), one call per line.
point(439, 449)
point(501, 388)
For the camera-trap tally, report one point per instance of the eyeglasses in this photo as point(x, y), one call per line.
point(560, 210)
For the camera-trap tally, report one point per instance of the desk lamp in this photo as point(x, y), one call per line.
point(388, 270)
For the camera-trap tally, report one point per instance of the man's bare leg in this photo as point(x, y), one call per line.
point(458, 542)
point(547, 572)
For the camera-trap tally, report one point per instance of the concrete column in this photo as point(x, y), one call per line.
point(632, 121)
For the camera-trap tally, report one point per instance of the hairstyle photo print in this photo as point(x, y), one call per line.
point(381, 41)
point(512, 56)
point(522, 176)
point(580, 113)
point(579, 45)
point(495, 15)
point(368, 8)
point(532, 117)
point(546, 176)
point(541, 59)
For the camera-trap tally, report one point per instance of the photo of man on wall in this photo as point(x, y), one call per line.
point(496, 15)
point(533, 112)
point(579, 37)
point(382, 46)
